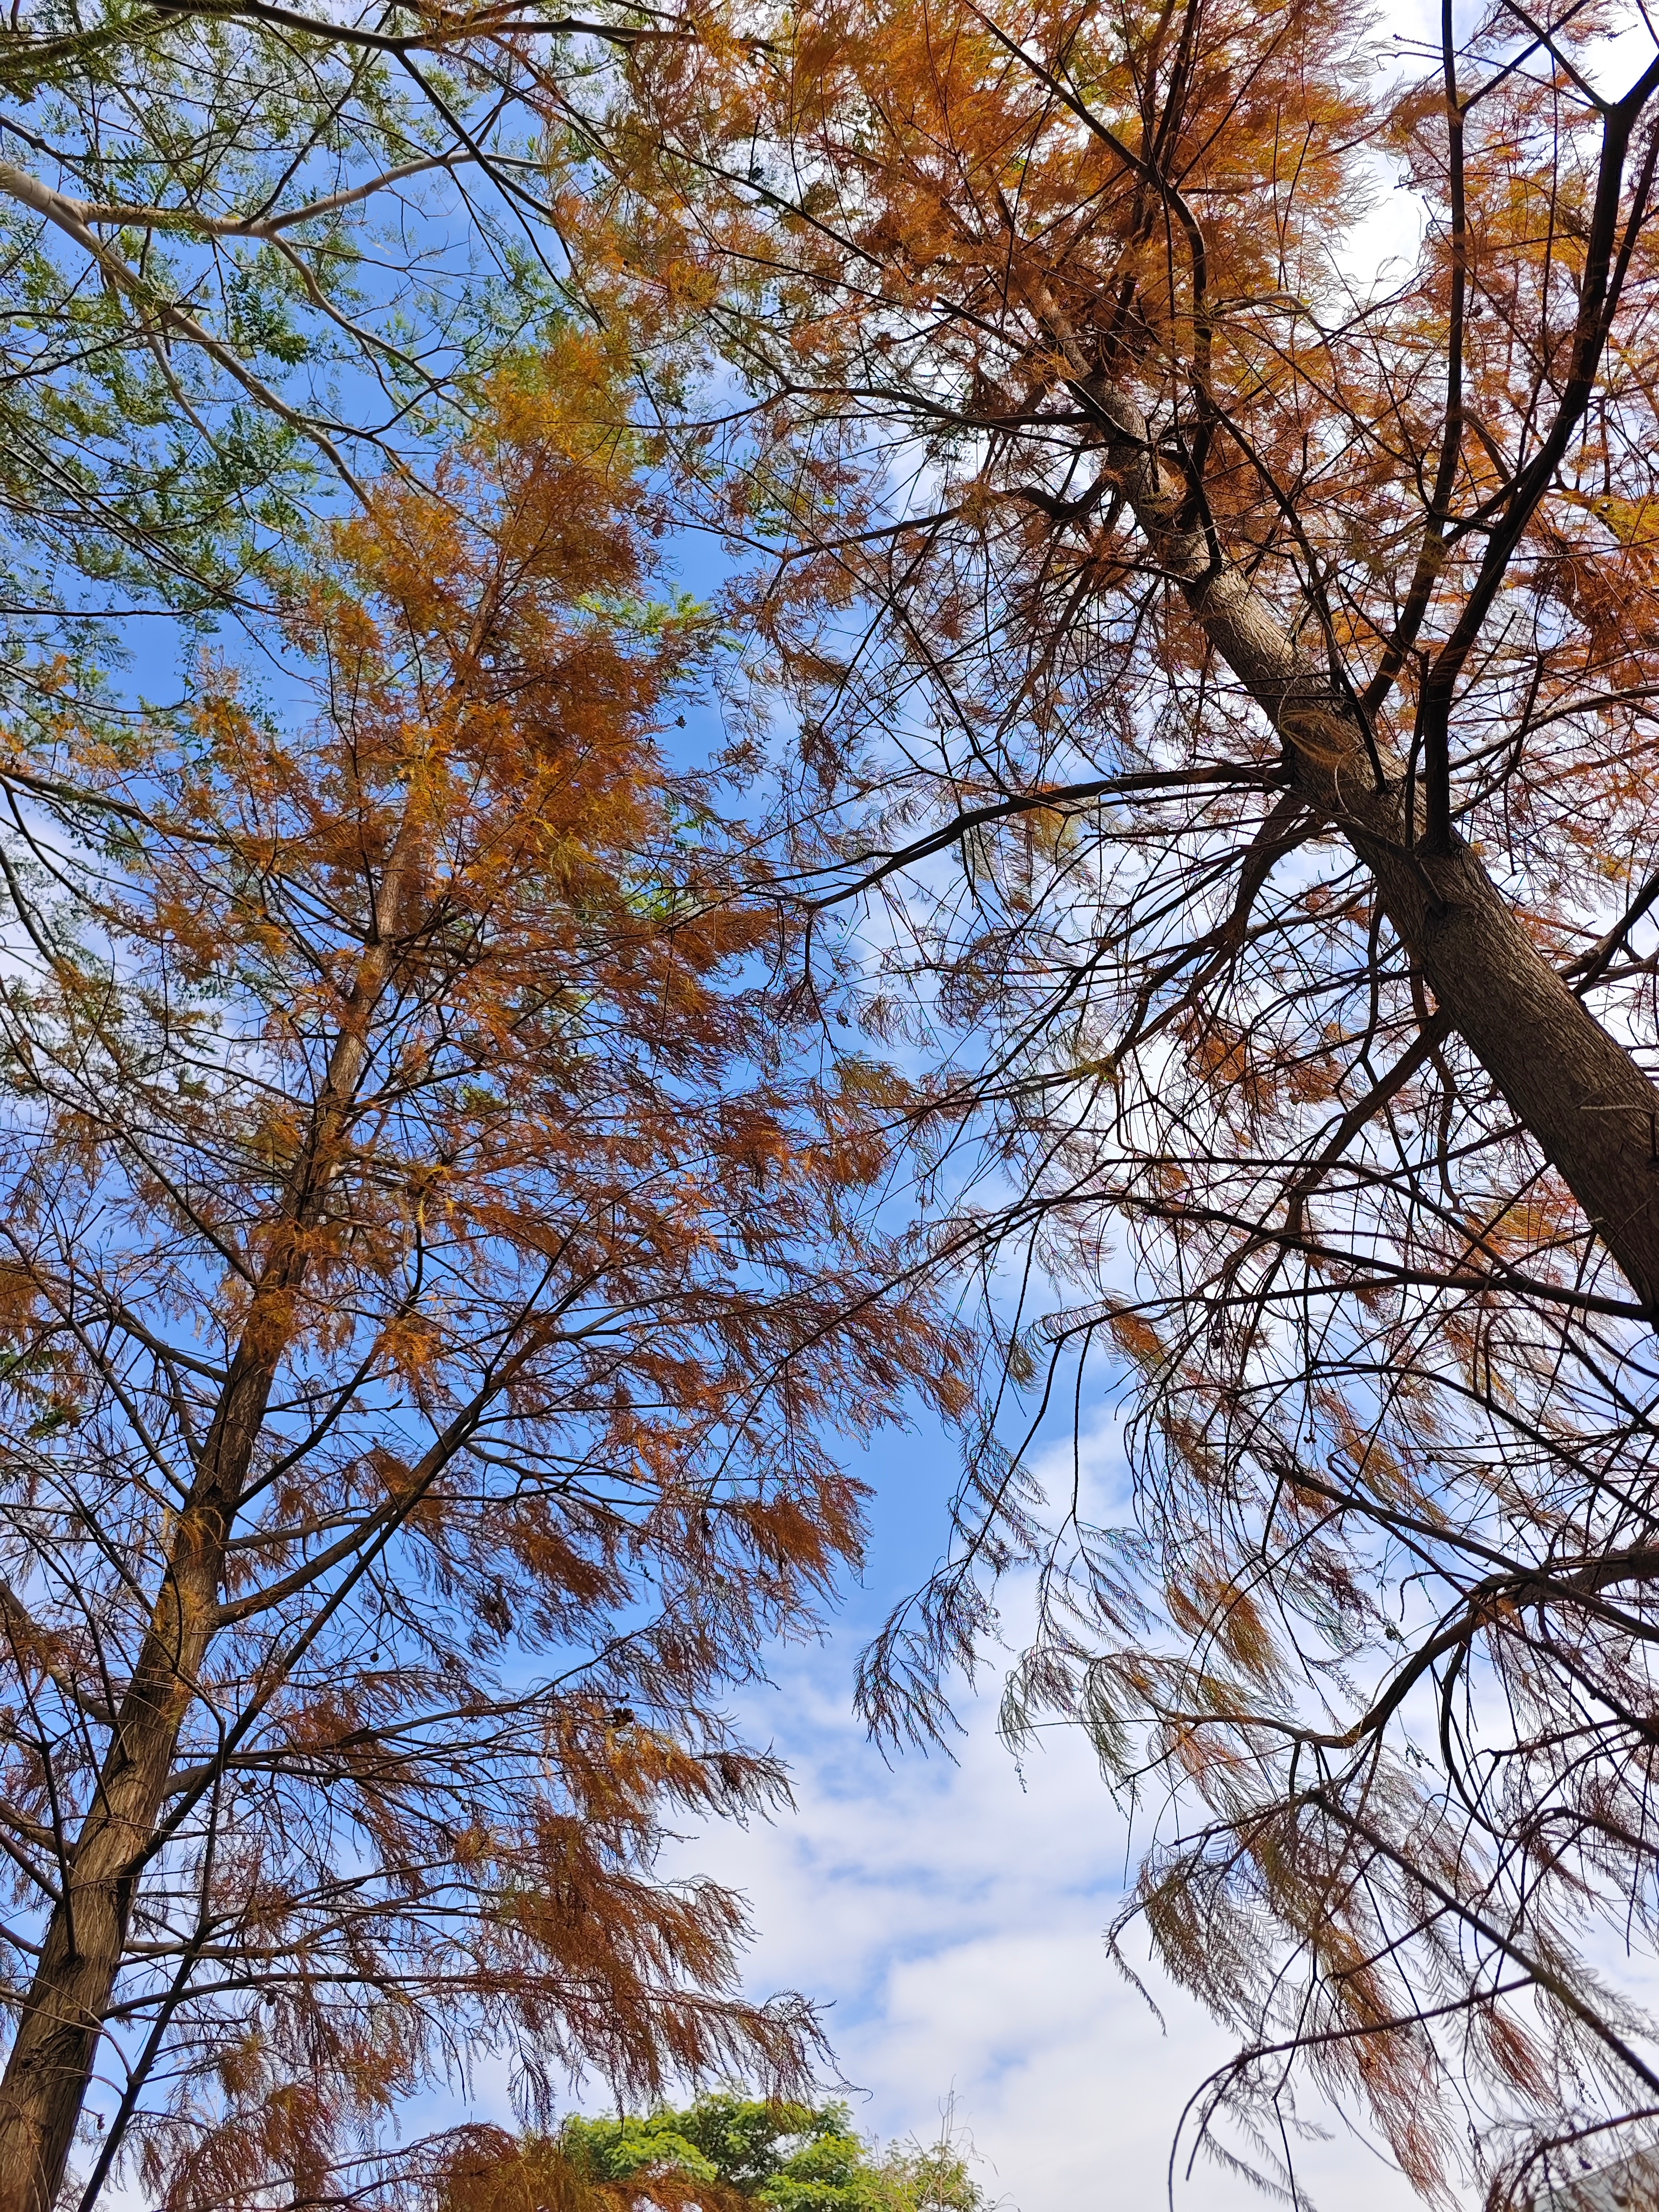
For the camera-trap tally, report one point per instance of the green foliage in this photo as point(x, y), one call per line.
point(238, 277)
point(799, 2158)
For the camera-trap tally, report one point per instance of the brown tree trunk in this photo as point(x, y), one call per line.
point(1590, 1108)
point(51, 2060)
point(49, 2067)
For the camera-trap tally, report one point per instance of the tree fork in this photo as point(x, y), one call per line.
point(1574, 1088)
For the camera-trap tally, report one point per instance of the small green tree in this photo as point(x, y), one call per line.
point(721, 2152)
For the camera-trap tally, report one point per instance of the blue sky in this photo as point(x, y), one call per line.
point(950, 1918)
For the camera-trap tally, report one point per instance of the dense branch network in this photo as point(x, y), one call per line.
point(1230, 685)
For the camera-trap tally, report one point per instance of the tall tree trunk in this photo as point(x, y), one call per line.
point(49, 2067)
point(1589, 1107)
point(51, 2060)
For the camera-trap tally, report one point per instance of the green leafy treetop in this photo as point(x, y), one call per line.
point(721, 2152)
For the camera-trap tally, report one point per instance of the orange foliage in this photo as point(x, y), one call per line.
point(412, 1071)
point(1109, 479)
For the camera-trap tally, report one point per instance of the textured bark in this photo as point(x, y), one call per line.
point(1588, 1106)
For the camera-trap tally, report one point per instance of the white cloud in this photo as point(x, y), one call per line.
point(950, 1920)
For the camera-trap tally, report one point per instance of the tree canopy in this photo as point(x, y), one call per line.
point(436, 1292)
point(1200, 715)
point(1225, 676)
point(722, 2152)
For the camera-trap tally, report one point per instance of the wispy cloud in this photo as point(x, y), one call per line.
point(950, 1919)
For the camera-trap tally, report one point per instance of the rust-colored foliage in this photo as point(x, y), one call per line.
point(435, 1287)
point(1235, 670)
